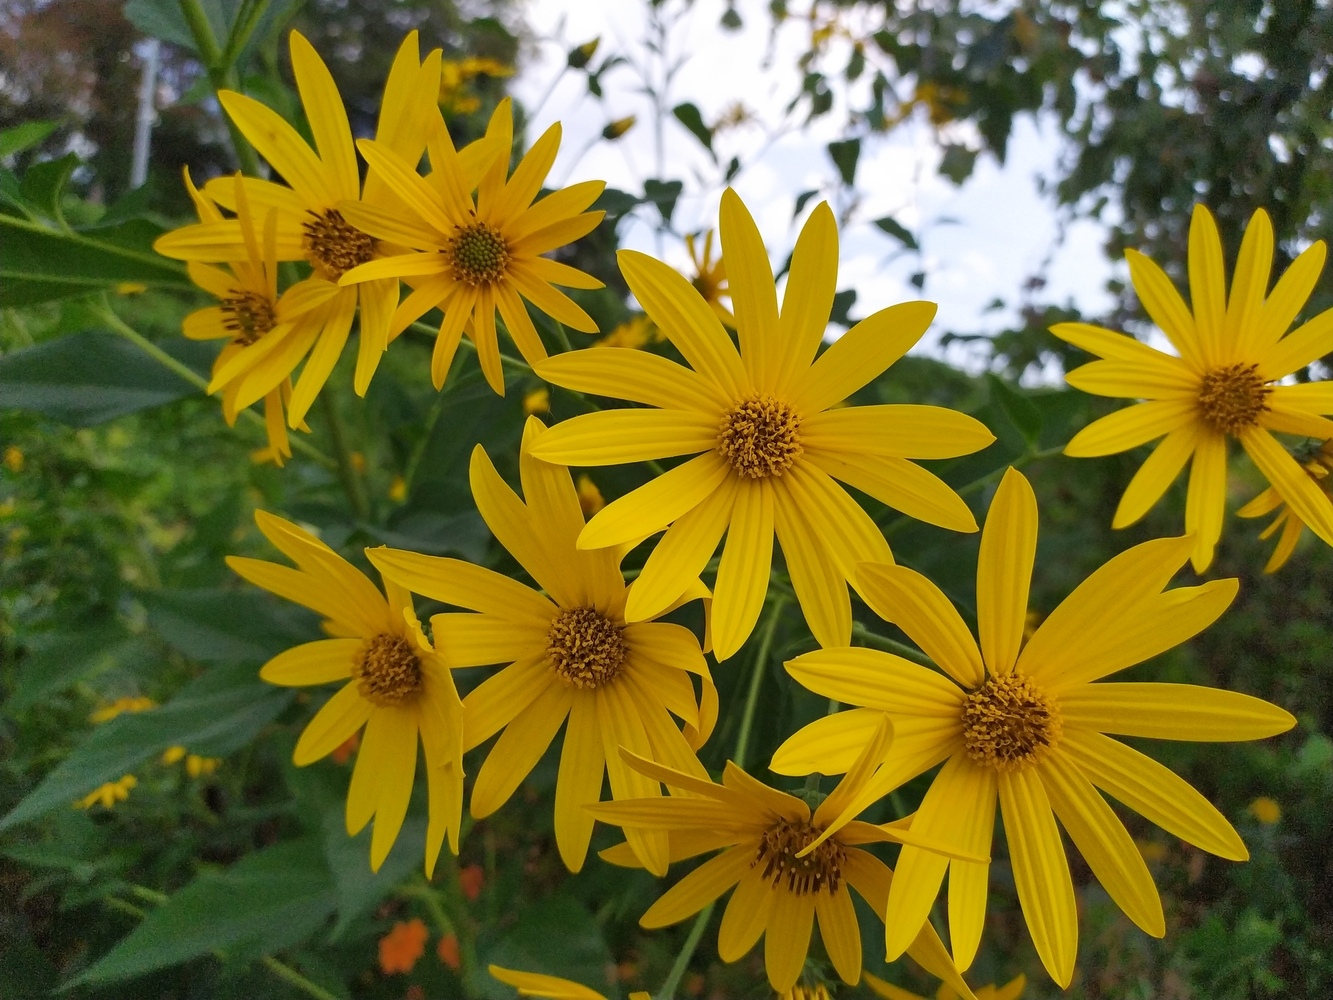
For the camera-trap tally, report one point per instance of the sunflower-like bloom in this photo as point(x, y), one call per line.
point(479, 256)
point(781, 890)
point(1011, 990)
point(1025, 723)
point(710, 276)
point(772, 441)
point(250, 311)
point(1319, 466)
point(309, 223)
point(1224, 383)
point(397, 686)
point(536, 984)
point(570, 655)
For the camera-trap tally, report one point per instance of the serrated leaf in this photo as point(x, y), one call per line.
point(267, 901)
point(689, 115)
point(898, 231)
point(24, 136)
point(1020, 410)
point(845, 153)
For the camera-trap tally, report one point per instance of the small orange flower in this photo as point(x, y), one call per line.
point(447, 949)
point(402, 946)
point(470, 880)
point(346, 748)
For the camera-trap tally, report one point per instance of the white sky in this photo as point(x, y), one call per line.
point(1003, 229)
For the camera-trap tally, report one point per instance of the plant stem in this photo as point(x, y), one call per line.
point(756, 681)
point(678, 967)
point(562, 336)
point(996, 474)
point(877, 641)
point(222, 75)
point(351, 479)
point(288, 974)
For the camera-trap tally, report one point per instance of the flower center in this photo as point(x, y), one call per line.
point(820, 869)
point(389, 670)
point(586, 649)
point(1009, 723)
point(1231, 398)
point(335, 246)
point(760, 437)
point(477, 254)
point(248, 316)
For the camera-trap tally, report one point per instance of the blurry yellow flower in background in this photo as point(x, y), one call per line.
point(590, 497)
point(398, 489)
point(108, 794)
point(131, 288)
point(637, 332)
point(478, 257)
point(1319, 467)
point(710, 276)
point(772, 439)
point(396, 687)
point(616, 129)
point(14, 459)
point(780, 891)
point(535, 984)
point(136, 703)
point(455, 74)
point(1224, 383)
point(1265, 810)
point(195, 766)
point(537, 401)
point(1025, 724)
point(1011, 990)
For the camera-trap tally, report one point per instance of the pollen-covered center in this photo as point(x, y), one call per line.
point(388, 671)
point(1231, 398)
point(820, 869)
point(1009, 723)
point(760, 436)
point(477, 254)
point(247, 316)
point(335, 246)
point(585, 647)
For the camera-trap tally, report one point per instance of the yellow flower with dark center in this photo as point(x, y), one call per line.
point(1319, 467)
point(396, 686)
point(108, 794)
point(267, 333)
point(1011, 990)
point(536, 984)
point(1024, 723)
point(477, 256)
point(1225, 382)
point(710, 276)
point(309, 224)
point(570, 653)
point(783, 885)
point(772, 436)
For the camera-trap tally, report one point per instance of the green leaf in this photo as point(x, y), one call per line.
point(898, 231)
point(214, 715)
point(845, 155)
point(957, 163)
point(558, 936)
point(25, 136)
point(228, 625)
point(842, 305)
point(267, 901)
point(89, 378)
point(44, 184)
point(1020, 410)
point(802, 200)
point(664, 195)
point(55, 660)
point(615, 203)
point(689, 115)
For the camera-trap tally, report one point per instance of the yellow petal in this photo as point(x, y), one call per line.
point(697, 889)
point(634, 375)
point(742, 575)
point(341, 716)
point(840, 933)
point(1156, 475)
point(533, 984)
point(1173, 712)
point(1291, 534)
point(877, 680)
point(918, 607)
point(808, 299)
point(555, 273)
point(671, 813)
point(612, 437)
point(555, 207)
point(518, 749)
point(753, 297)
point(207, 323)
point(900, 484)
point(441, 721)
point(393, 225)
point(1041, 872)
point(476, 640)
point(1286, 421)
point(1205, 501)
point(318, 662)
point(1249, 286)
point(1130, 427)
point(394, 778)
point(787, 938)
point(849, 535)
point(650, 507)
point(861, 355)
point(327, 116)
point(1208, 283)
point(821, 588)
point(969, 885)
point(1004, 571)
point(319, 366)
point(493, 704)
point(313, 592)
point(1118, 346)
point(747, 912)
point(378, 301)
point(578, 783)
point(1133, 380)
point(419, 197)
point(409, 93)
point(1167, 309)
point(894, 430)
point(829, 745)
point(1289, 296)
point(453, 581)
point(622, 730)
point(284, 148)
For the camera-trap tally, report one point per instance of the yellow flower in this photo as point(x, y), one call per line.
point(634, 333)
point(397, 686)
point(131, 288)
point(537, 401)
point(1320, 469)
point(590, 497)
point(1224, 383)
point(108, 794)
point(455, 75)
point(772, 441)
point(781, 891)
point(308, 223)
point(267, 333)
point(710, 277)
point(1025, 723)
point(398, 489)
point(535, 984)
point(570, 655)
point(614, 130)
point(1265, 810)
point(479, 256)
point(817, 992)
point(1011, 990)
point(132, 704)
point(173, 755)
point(14, 459)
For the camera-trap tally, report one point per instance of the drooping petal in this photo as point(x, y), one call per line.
point(579, 782)
point(1004, 571)
point(1163, 711)
point(787, 938)
point(399, 754)
point(747, 911)
point(847, 531)
point(699, 888)
point(378, 301)
point(742, 574)
point(622, 731)
point(1156, 475)
point(840, 933)
point(1205, 502)
point(518, 749)
point(341, 716)
point(319, 366)
point(918, 607)
point(821, 588)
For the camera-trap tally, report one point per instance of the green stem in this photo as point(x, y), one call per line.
point(288, 974)
point(877, 641)
point(682, 962)
point(995, 475)
point(756, 681)
point(351, 480)
point(221, 75)
point(247, 19)
point(562, 337)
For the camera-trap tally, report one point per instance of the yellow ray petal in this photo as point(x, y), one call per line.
point(861, 355)
point(397, 227)
point(449, 178)
point(518, 749)
point(637, 376)
point(341, 716)
point(476, 640)
point(1249, 285)
point(409, 93)
point(1208, 283)
point(422, 199)
point(612, 437)
point(327, 116)
point(1154, 792)
point(319, 662)
point(533, 984)
point(1205, 501)
point(648, 508)
point(1285, 421)
point(918, 607)
point(877, 680)
point(673, 813)
point(665, 739)
point(207, 323)
point(746, 914)
point(555, 207)
point(441, 721)
point(894, 430)
point(551, 237)
point(1118, 346)
point(1289, 296)
point(753, 298)
point(378, 301)
point(742, 575)
point(969, 885)
point(1173, 712)
point(848, 533)
point(527, 178)
point(214, 280)
point(1286, 545)
point(1132, 380)
point(1130, 427)
point(787, 937)
point(453, 581)
point(683, 315)
point(697, 889)
point(457, 311)
point(319, 366)
point(1041, 872)
point(829, 745)
point(398, 758)
point(549, 300)
point(1156, 475)
point(1163, 304)
point(808, 299)
point(1308, 397)
point(900, 484)
point(555, 273)
point(840, 933)
point(623, 731)
point(1004, 571)
point(304, 589)
point(684, 844)
point(493, 704)
point(408, 265)
point(821, 588)
point(579, 782)
point(218, 241)
point(284, 148)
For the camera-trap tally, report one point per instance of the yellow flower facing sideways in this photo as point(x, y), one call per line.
point(780, 892)
point(1011, 990)
point(570, 655)
point(1024, 723)
point(1319, 467)
point(394, 684)
point(536, 984)
point(772, 442)
point(474, 257)
point(710, 276)
point(259, 324)
point(1224, 383)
